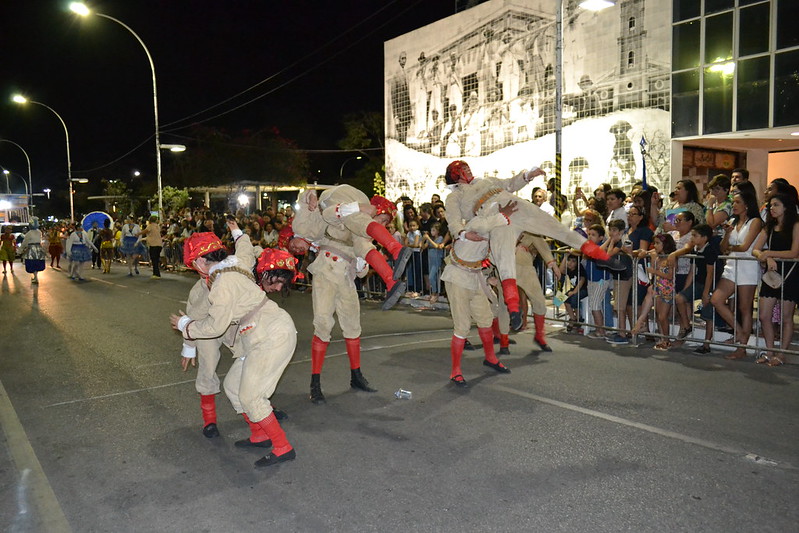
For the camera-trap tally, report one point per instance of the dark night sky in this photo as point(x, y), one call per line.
point(96, 76)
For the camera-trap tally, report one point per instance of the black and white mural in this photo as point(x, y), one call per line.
point(480, 86)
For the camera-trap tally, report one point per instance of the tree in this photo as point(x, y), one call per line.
point(218, 158)
point(121, 199)
point(173, 198)
point(365, 131)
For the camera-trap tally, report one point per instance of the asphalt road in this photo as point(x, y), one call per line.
point(101, 429)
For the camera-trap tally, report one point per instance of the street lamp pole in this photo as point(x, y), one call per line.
point(30, 182)
point(81, 9)
point(341, 170)
point(559, 97)
point(22, 100)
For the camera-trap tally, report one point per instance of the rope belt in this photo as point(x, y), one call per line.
point(240, 270)
point(475, 268)
point(483, 199)
point(471, 265)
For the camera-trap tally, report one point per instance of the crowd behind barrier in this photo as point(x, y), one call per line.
point(659, 309)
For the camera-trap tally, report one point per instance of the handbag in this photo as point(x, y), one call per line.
point(771, 277)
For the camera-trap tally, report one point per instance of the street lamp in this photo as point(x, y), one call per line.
point(589, 5)
point(341, 170)
point(18, 98)
point(6, 172)
point(81, 9)
point(30, 182)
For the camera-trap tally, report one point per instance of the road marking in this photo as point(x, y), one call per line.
point(32, 476)
point(645, 427)
point(145, 389)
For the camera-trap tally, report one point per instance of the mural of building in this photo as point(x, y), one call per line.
point(482, 88)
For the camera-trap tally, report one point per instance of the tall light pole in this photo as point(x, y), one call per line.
point(18, 98)
point(341, 170)
point(30, 182)
point(590, 5)
point(6, 173)
point(81, 9)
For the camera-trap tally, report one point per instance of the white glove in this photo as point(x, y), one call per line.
point(360, 265)
point(343, 210)
point(190, 352)
point(183, 322)
point(236, 233)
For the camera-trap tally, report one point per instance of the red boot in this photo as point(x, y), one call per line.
point(487, 336)
point(258, 437)
point(379, 233)
point(539, 338)
point(281, 448)
point(456, 351)
point(208, 406)
point(592, 250)
point(318, 351)
point(511, 293)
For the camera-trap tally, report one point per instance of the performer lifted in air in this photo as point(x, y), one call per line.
point(474, 203)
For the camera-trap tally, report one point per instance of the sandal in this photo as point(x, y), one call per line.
point(663, 346)
point(763, 359)
point(685, 332)
point(736, 355)
point(459, 380)
point(702, 350)
point(776, 361)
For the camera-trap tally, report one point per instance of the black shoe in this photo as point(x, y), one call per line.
point(516, 321)
point(468, 345)
point(504, 351)
point(280, 415)
point(316, 390)
point(357, 381)
point(702, 350)
point(613, 264)
point(402, 261)
point(210, 431)
point(499, 367)
point(393, 296)
point(459, 381)
point(272, 459)
point(510, 341)
point(247, 443)
point(544, 346)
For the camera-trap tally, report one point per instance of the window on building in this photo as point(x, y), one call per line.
point(718, 38)
point(685, 103)
point(631, 24)
point(787, 14)
point(686, 9)
point(752, 22)
point(753, 93)
point(714, 6)
point(630, 59)
point(685, 45)
point(717, 101)
point(786, 88)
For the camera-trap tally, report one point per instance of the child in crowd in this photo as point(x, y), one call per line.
point(413, 240)
point(613, 246)
point(598, 283)
point(698, 286)
point(661, 292)
point(574, 277)
point(434, 243)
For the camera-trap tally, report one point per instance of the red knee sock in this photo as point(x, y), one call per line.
point(511, 293)
point(456, 351)
point(354, 352)
point(257, 433)
point(487, 338)
point(378, 262)
point(280, 444)
point(318, 351)
point(208, 406)
point(379, 233)
point(504, 340)
point(539, 329)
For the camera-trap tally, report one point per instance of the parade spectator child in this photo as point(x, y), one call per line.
point(661, 292)
point(700, 284)
point(413, 240)
point(597, 283)
point(613, 245)
point(574, 277)
point(434, 243)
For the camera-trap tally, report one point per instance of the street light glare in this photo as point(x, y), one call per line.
point(79, 8)
point(18, 98)
point(596, 5)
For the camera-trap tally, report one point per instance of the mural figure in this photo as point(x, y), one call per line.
point(401, 101)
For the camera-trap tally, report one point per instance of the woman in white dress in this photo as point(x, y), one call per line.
point(32, 251)
point(131, 247)
point(79, 250)
point(740, 276)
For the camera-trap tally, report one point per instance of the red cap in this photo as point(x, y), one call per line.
point(284, 236)
point(384, 206)
point(198, 245)
point(276, 259)
point(457, 171)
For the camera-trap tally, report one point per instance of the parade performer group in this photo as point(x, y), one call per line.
point(229, 305)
